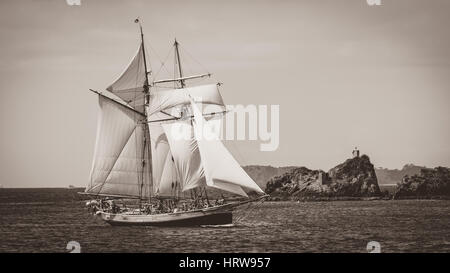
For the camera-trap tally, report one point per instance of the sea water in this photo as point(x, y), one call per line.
point(46, 220)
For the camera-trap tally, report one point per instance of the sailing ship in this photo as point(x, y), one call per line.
point(140, 153)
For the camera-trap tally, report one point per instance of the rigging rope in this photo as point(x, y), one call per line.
point(249, 210)
point(203, 67)
point(162, 62)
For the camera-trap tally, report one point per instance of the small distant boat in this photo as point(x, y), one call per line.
point(71, 187)
point(138, 154)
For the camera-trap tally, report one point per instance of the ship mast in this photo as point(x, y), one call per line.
point(146, 84)
point(181, 80)
point(183, 85)
point(146, 103)
point(177, 56)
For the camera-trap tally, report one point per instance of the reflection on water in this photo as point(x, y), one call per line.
point(45, 220)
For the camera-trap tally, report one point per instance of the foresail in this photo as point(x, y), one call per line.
point(121, 166)
point(184, 149)
point(130, 85)
point(164, 100)
point(165, 178)
point(198, 161)
point(220, 168)
point(227, 187)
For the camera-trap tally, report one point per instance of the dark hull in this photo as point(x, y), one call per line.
point(221, 218)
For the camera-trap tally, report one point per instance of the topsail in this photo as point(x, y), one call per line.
point(164, 101)
point(130, 85)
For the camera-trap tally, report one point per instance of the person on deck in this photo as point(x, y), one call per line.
point(160, 207)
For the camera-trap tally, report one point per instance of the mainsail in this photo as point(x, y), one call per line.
point(121, 166)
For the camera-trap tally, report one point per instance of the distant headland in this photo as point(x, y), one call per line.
point(354, 179)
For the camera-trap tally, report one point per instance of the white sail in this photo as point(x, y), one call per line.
point(227, 187)
point(185, 154)
point(188, 161)
point(121, 166)
point(219, 165)
point(166, 99)
point(165, 178)
point(130, 85)
point(200, 161)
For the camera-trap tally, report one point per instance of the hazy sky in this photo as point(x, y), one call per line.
point(344, 73)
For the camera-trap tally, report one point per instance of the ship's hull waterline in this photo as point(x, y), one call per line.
point(219, 215)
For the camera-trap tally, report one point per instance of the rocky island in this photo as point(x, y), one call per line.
point(353, 179)
point(430, 183)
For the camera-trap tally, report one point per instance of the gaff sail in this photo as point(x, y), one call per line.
point(121, 163)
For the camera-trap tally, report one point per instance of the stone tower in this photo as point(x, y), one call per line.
point(323, 178)
point(355, 152)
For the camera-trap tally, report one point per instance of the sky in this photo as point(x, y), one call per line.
point(344, 74)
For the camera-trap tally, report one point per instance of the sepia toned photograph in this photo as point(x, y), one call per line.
point(243, 128)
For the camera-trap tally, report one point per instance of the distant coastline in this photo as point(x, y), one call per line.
point(60, 194)
point(354, 180)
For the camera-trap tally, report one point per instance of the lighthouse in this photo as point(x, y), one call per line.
point(355, 152)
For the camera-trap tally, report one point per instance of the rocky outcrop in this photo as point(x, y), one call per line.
point(262, 174)
point(430, 183)
point(354, 178)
